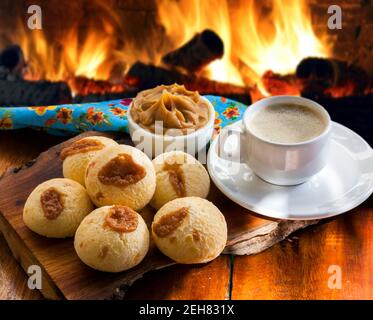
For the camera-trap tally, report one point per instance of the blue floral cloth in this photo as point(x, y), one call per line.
point(111, 115)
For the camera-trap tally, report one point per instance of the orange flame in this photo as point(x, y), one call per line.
point(254, 41)
point(73, 53)
point(57, 62)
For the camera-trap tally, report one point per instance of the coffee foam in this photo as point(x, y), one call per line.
point(287, 123)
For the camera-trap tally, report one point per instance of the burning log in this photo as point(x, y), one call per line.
point(317, 77)
point(97, 97)
point(203, 48)
point(317, 68)
point(26, 93)
point(16, 91)
point(90, 90)
point(207, 86)
point(84, 86)
point(331, 77)
point(12, 63)
point(146, 76)
point(276, 84)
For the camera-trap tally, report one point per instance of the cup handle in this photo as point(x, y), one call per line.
point(236, 154)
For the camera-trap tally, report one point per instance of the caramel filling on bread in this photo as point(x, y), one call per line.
point(176, 175)
point(121, 171)
point(81, 146)
point(51, 203)
point(169, 222)
point(122, 219)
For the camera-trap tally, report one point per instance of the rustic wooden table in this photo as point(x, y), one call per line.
point(296, 268)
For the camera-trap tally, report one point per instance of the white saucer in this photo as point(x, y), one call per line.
point(345, 182)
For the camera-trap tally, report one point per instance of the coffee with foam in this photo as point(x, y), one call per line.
point(287, 123)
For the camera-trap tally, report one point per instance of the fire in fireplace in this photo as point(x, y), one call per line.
point(243, 49)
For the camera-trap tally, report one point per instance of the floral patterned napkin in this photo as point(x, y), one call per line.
point(68, 119)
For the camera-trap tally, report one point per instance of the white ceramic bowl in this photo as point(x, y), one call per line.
point(156, 144)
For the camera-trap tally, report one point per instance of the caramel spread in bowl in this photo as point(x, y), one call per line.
point(81, 146)
point(170, 222)
point(122, 219)
point(175, 106)
point(51, 203)
point(121, 171)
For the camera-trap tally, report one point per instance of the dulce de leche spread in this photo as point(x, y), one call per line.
point(51, 203)
point(81, 146)
point(170, 222)
point(121, 171)
point(122, 219)
point(180, 110)
point(176, 175)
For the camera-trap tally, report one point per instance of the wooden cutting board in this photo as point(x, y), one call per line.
point(64, 276)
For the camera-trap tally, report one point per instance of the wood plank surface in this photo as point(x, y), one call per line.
point(197, 282)
point(293, 269)
point(298, 268)
point(13, 281)
point(65, 276)
point(16, 148)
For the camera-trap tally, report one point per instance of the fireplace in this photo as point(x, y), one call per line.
point(100, 50)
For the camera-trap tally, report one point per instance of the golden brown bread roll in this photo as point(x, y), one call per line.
point(56, 207)
point(190, 230)
point(112, 239)
point(178, 175)
point(121, 175)
point(76, 156)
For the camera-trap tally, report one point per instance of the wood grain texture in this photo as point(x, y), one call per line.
point(16, 148)
point(298, 268)
point(65, 276)
point(294, 269)
point(187, 282)
point(13, 281)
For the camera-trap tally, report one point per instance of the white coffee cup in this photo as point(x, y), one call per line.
point(283, 163)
